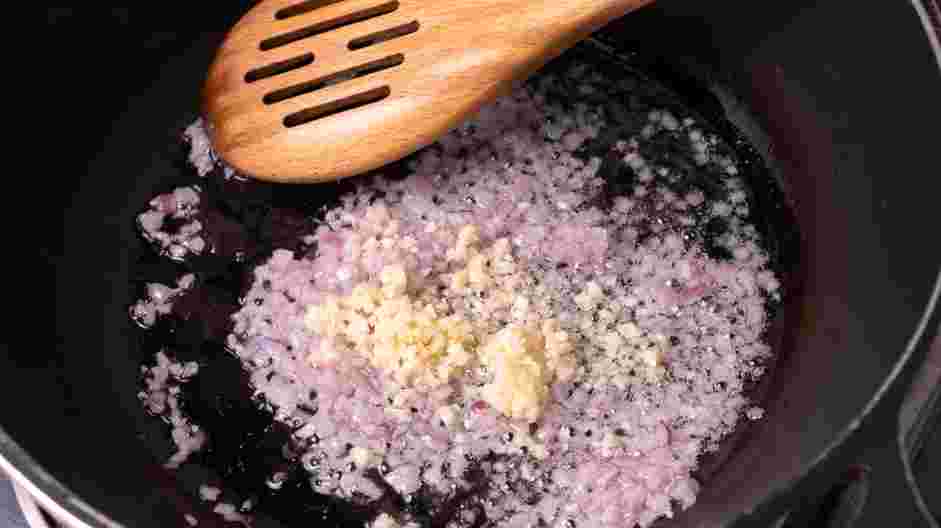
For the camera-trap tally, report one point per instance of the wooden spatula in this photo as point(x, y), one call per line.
point(310, 91)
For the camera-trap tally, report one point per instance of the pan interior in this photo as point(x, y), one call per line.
point(244, 446)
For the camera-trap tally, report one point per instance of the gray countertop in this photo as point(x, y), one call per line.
point(10, 514)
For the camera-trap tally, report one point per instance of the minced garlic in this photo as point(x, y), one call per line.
point(477, 273)
point(520, 377)
point(417, 346)
point(618, 351)
point(405, 337)
point(590, 297)
point(394, 281)
point(411, 334)
point(628, 353)
point(467, 240)
point(524, 362)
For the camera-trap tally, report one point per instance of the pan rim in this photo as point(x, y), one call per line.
point(929, 14)
point(52, 495)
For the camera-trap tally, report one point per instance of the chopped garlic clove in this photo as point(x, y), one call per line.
point(394, 281)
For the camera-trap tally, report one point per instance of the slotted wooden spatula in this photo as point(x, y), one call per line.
point(310, 91)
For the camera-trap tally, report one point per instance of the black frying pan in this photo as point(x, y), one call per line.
point(841, 99)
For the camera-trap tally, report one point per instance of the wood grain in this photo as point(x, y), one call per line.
point(464, 54)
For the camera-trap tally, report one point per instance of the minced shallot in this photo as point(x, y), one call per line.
point(665, 331)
